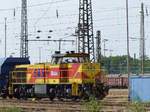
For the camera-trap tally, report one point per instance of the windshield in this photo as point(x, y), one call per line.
point(59, 60)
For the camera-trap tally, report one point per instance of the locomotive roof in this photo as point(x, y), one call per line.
point(7, 64)
point(71, 55)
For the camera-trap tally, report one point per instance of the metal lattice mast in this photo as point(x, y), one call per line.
point(98, 46)
point(24, 30)
point(85, 29)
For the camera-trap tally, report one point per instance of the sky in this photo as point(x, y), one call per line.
point(109, 16)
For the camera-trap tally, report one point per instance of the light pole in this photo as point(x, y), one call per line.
point(60, 44)
point(40, 54)
point(105, 40)
point(76, 36)
point(111, 52)
point(5, 37)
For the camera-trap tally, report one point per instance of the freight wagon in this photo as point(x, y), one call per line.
point(117, 81)
point(6, 66)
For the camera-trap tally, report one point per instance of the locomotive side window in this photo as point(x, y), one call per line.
point(39, 73)
point(42, 73)
point(56, 60)
point(35, 72)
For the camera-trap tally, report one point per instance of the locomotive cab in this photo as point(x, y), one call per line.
point(69, 57)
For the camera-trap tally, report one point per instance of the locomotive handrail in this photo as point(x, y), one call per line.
point(21, 76)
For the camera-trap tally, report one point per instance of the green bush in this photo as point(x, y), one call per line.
point(93, 105)
point(136, 107)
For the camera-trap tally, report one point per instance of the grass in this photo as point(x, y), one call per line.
point(93, 105)
point(10, 109)
point(136, 107)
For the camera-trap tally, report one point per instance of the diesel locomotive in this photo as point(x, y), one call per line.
point(70, 75)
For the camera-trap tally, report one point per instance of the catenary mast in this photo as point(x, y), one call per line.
point(85, 29)
point(24, 31)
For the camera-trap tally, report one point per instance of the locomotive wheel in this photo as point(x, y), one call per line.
point(75, 98)
point(85, 95)
point(51, 94)
point(25, 98)
point(38, 98)
point(51, 98)
point(10, 96)
point(4, 96)
point(18, 97)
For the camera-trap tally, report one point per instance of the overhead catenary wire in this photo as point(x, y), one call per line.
point(76, 14)
point(73, 27)
point(62, 1)
point(35, 5)
point(41, 17)
point(57, 28)
point(72, 15)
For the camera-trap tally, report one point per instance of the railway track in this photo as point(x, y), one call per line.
point(114, 102)
point(66, 106)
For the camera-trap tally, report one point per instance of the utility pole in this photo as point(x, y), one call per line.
point(5, 37)
point(85, 29)
point(24, 31)
point(128, 48)
point(142, 39)
point(98, 46)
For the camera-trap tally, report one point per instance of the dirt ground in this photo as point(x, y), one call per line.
point(116, 101)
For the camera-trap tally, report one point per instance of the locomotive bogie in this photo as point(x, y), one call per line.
point(67, 91)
